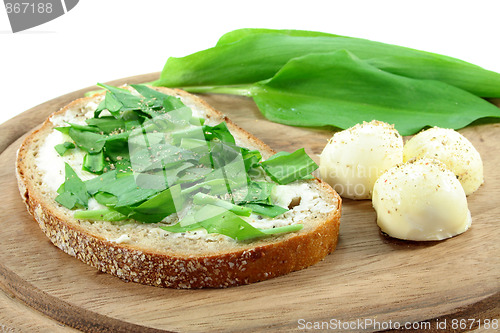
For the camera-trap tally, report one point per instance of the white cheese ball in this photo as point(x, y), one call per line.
point(451, 148)
point(354, 158)
point(422, 201)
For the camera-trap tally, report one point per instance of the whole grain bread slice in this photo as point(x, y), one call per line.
point(150, 255)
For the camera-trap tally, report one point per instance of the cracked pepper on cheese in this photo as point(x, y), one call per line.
point(451, 148)
point(421, 200)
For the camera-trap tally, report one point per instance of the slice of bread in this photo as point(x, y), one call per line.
point(144, 253)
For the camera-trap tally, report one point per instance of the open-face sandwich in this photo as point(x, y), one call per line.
point(154, 186)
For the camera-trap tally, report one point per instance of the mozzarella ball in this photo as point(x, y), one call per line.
point(451, 148)
point(421, 200)
point(354, 158)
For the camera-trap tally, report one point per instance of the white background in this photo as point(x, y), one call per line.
point(102, 40)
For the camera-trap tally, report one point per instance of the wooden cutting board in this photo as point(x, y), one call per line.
point(368, 278)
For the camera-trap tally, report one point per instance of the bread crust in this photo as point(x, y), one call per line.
point(257, 261)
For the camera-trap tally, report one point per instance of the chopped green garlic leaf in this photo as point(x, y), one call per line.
point(100, 215)
point(87, 141)
point(93, 162)
point(152, 158)
point(73, 192)
point(203, 199)
point(64, 147)
point(266, 210)
point(224, 222)
point(285, 168)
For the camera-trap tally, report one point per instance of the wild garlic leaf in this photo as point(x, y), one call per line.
point(340, 90)
point(285, 168)
point(259, 192)
point(218, 220)
point(251, 158)
point(83, 127)
point(193, 174)
point(64, 147)
point(106, 199)
point(112, 104)
point(231, 225)
point(219, 131)
point(179, 228)
point(158, 99)
point(95, 185)
point(259, 56)
point(88, 141)
point(120, 100)
point(205, 199)
point(106, 124)
point(127, 191)
point(282, 230)
point(67, 199)
point(266, 210)
point(164, 202)
point(73, 192)
point(236, 35)
point(107, 214)
point(94, 162)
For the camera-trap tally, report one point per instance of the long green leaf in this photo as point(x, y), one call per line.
point(257, 57)
point(218, 220)
point(100, 215)
point(341, 90)
point(267, 210)
point(236, 35)
point(202, 199)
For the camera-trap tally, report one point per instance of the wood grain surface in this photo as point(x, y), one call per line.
point(368, 277)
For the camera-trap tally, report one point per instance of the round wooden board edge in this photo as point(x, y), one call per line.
point(62, 311)
point(10, 283)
